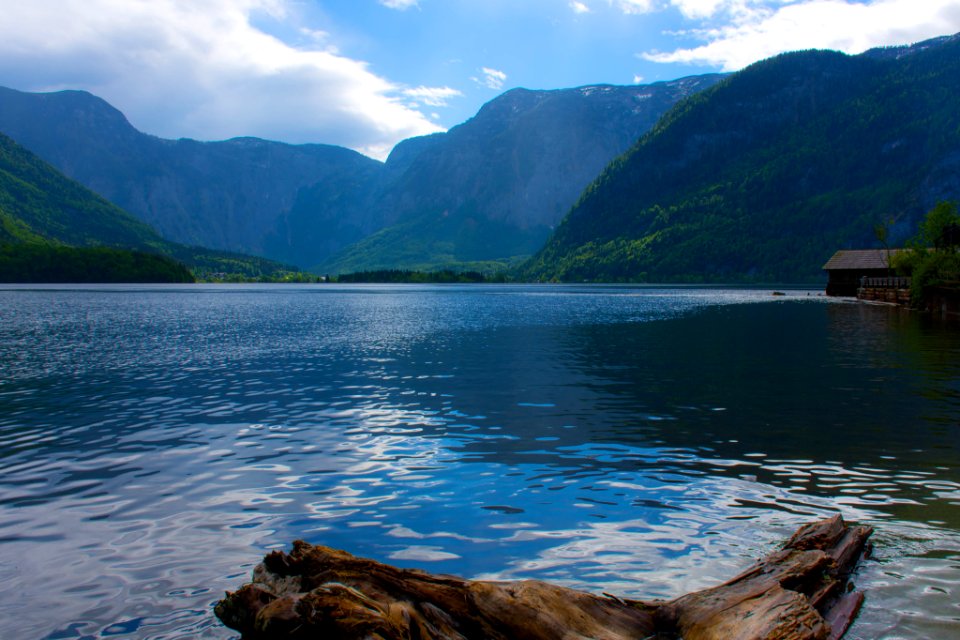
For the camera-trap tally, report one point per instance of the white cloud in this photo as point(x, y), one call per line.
point(202, 69)
point(635, 6)
point(432, 96)
point(692, 9)
point(637, 79)
point(316, 35)
point(705, 8)
point(400, 5)
point(757, 29)
point(579, 7)
point(492, 78)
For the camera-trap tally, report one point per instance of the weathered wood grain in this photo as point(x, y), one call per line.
point(798, 592)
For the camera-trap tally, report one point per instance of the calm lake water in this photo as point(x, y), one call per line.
point(155, 442)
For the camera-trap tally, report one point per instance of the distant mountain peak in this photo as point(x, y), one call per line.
point(491, 190)
point(901, 51)
point(227, 195)
point(69, 107)
point(592, 89)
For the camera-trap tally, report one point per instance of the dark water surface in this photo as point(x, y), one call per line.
point(155, 442)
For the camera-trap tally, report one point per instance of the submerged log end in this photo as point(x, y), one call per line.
point(796, 593)
point(799, 592)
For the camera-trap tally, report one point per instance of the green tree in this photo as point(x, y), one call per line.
point(938, 230)
point(933, 260)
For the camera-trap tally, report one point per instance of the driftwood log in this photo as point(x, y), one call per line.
point(799, 592)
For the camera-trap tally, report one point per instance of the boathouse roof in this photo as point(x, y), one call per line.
point(859, 259)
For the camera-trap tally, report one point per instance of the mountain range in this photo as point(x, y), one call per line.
point(222, 195)
point(487, 190)
point(754, 176)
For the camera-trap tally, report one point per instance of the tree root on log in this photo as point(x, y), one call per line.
point(799, 592)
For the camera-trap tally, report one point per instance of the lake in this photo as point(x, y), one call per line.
point(156, 441)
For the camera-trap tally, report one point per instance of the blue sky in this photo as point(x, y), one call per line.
point(368, 73)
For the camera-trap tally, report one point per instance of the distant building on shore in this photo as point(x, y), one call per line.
point(847, 268)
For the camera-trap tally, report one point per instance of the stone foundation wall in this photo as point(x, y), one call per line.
point(884, 294)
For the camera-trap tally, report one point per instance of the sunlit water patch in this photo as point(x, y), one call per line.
point(155, 442)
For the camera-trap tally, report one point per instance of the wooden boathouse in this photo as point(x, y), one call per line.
point(850, 270)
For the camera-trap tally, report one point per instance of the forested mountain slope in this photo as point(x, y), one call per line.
point(764, 176)
point(37, 203)
point(44, 214)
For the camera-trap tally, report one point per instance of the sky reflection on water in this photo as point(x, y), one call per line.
point(154, 442)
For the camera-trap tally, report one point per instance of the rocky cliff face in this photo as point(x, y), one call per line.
point(494, 187)
point(526, 156)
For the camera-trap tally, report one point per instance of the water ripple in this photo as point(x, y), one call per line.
point(155, 442)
